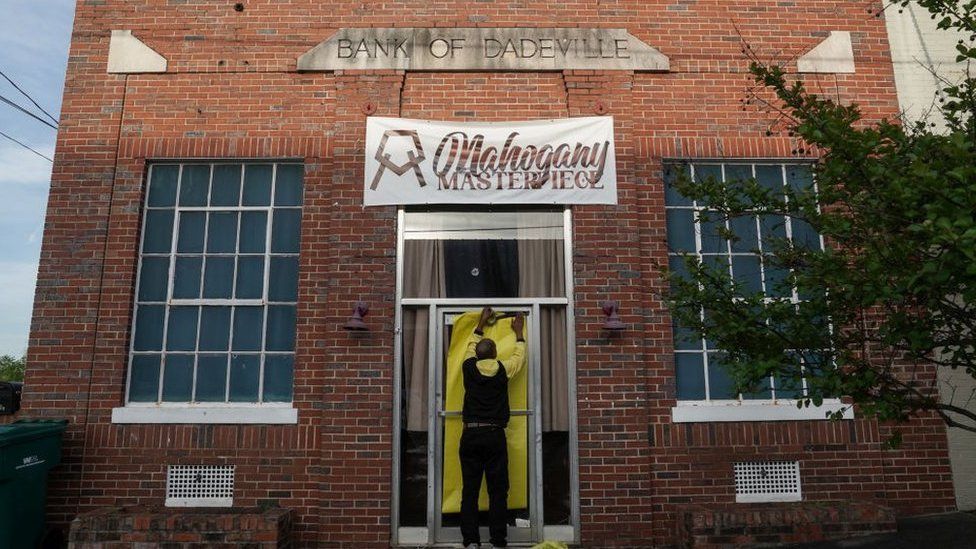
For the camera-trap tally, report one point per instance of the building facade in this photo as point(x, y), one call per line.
point(208, 238)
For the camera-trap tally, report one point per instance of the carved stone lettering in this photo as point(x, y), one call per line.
point(510, 49)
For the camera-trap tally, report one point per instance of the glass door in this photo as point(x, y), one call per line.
point(524, 451)
point(451, 262)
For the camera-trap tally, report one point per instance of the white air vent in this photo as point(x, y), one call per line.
point(200, 486)
point(757, 481)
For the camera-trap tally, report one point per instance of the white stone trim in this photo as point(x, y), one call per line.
point(467, 48)
point(412, 536)
point(562, 533)
point(199, 502)
point(768, 498)
point(834, 55)
point(128, 55)
point(190, 413)
point(727, 411)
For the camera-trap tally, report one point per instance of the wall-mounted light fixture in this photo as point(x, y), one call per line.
point(612, 322)
point(355, 322)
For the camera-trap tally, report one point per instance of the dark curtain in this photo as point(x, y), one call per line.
point(481, 268)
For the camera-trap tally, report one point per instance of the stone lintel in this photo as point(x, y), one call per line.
point(483, 49)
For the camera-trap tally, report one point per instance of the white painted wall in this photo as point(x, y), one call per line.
point(918, 49)
point(959, 388)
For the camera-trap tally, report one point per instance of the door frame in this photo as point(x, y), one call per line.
point(413, 536)
point(437, 417)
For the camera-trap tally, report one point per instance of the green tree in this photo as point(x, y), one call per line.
point(11, 368)
point(891, 298)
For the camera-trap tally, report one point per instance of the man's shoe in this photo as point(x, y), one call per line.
point(472, 546)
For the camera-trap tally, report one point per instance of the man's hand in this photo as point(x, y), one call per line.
point(486, 315)
point(518, 324)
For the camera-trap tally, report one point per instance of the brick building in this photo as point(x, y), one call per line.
point(207, 241)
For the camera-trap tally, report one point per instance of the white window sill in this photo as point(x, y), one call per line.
point(782, 410)
point(194, 413)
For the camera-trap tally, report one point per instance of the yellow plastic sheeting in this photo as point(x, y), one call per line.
point(516, 434)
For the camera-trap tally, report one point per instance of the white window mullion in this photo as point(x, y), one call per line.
point(728, 250)
point(701, 261)
point(230, 354)
point(267, 271)
point(762, 274)
point(169, 291)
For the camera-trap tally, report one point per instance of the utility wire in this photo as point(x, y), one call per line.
point(27, 112)
point(27, 95)
point(28, 147)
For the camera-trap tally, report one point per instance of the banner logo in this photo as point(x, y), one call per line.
point(414, 158)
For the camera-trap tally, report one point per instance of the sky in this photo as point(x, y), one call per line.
point(34, 38)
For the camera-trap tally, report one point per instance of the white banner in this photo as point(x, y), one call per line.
point(566, 161)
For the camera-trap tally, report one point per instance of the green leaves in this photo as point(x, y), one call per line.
point(892, 293)
point(12, 368)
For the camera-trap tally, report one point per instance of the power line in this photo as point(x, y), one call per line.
point(28, 147)
point(27, 95)
point(27, 112)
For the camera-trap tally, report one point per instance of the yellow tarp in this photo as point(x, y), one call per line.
point(501, 332)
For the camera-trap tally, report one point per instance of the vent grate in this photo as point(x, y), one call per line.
point(757, 481)
point(200, 486)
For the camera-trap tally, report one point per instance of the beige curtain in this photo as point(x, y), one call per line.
point(422, 277)
point(542, 274)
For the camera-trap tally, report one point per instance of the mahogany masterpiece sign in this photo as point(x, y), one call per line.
point(510, 49)
point(567, 161)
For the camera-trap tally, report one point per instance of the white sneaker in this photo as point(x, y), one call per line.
point(472, 546)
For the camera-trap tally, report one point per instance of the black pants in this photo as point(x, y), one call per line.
point(484, 452)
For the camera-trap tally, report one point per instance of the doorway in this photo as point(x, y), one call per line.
point(524, 448)
point(451, 263)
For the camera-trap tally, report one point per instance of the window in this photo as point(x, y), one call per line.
point(700, 377)
point(217, 285)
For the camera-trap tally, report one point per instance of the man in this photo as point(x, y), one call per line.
point(484, 450)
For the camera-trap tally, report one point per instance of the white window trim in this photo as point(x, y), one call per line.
point(237, 413)
point(716, 411)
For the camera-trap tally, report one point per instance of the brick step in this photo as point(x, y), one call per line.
point(118, 527)
point(758, 524)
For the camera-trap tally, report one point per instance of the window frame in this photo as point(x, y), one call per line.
point(225, 411)
point(741, 408)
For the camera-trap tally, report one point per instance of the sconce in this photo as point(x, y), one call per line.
point(613, 323)
point(355, 322)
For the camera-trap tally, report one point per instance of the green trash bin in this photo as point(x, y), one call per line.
point(28, 450)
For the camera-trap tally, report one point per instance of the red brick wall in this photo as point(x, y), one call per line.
point(231, 91)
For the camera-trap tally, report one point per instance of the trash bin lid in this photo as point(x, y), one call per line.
point(29, 429)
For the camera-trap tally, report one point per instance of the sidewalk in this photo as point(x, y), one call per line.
point(947, 531)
